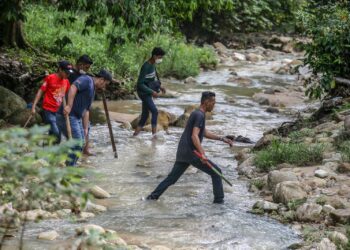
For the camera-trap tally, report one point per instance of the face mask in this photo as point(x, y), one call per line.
point(82, 72)
point(159, 60)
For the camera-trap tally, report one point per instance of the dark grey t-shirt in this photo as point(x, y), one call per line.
point(186, 146)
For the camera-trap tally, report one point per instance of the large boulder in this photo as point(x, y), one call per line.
point(97, 116)
point(326, 244)
point(9, 103)
point(20, 117)
point(278, 176)
point(338, 238)
point(288, 191)
point(309, 212)
point(182, 120)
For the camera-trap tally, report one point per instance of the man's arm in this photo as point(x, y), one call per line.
point(212, 136)
point(36, 100)
point(71, 95)
point(86, 118)
point(196, 141)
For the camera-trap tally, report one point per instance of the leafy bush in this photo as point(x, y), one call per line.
point(328, 53)
point(182, 60)
point(32, 175)
point(293, 153)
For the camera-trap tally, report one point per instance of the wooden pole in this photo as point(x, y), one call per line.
point(109, 125)
point(69, 129)
point(27, 122)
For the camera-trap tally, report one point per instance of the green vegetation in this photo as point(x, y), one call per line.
point(345, 151)
point(298, 136)
point(33, 176)
point(293, 205)
point(258, 183)
point(294, 153)
point(327, 23)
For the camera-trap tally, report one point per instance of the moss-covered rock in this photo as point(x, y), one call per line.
point(9, 102)
point(20, 117)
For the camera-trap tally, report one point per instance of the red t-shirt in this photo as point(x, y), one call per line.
point(54, 89)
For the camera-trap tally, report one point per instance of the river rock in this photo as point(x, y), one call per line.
point(83, 216)
point(164, 120)
point(341, 216)
point(238, 56)
point(288, 191)
point(272, 110)
point(182, 120)
point(99, 193)
point(327, 209)
point(266, 206)
point(113, 238)
point(87, 229)
point(264, 141)
point(326, 244)
point(97, 116)
point(338, 238)
point(50, 235)
point(220, 48)
point(190, 80)
point(240, 80)
point(315, 183)
point(254, 57)
point(246, 168)
point(10, 103)
point(309, 212)
point(344, 167)
point(347, 123)
point(278, 176)
point(320, 173)
point(36, 214)
point(336, 202)
point(94, 208)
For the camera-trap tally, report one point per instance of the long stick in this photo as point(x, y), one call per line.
point(69, 129)
point(213, 168)
point(27, 122)
point(109, 125)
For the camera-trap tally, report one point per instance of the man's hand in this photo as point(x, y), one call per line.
point(155, 94)
point(67, 110)
point(204, 159)
point(228, 141)
point(33, 109)
point(163, 90)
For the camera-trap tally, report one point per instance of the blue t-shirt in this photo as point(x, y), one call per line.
point(84, 97)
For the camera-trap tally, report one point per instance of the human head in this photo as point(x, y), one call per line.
point(208, 100)
point(64, 69)
point(157, 54)
point(102, 79)
point(84, 63)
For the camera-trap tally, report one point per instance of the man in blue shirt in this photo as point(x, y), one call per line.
point(80, 97)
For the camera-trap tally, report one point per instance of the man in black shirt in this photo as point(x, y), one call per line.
point(191, 140)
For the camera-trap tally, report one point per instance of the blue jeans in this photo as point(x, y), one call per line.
point(148, 106)
point(180, 167)
point(50, 118)
point(77, 134)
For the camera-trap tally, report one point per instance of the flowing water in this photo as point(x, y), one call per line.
point(184, 217)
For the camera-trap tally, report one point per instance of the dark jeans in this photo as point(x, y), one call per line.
point(148, 106)
point(180, 167)
point(50, 118)
point(77, 134)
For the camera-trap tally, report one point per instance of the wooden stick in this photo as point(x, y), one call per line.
point(27, 122)
point(69, 129)
point(109, 125)
point(343, 81)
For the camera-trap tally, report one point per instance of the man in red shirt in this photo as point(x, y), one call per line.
point(54, 88)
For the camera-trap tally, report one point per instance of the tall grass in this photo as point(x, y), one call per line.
point(294, 153)
point(182, 59)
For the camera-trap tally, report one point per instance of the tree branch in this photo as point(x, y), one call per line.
point(342, 81)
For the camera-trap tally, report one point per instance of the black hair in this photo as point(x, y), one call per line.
point(207, 95)
point(157, 51)
point(85, 59)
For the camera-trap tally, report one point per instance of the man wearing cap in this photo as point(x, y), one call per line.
point(54, 88)
point(82, 67)
point(80, 98)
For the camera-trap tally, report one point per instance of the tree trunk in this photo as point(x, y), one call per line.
point(13, 35)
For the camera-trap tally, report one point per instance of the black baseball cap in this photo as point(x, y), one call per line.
point(104, 74)
point(66, 66)
point(85, 59)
